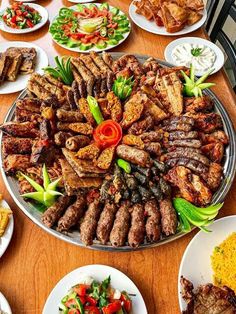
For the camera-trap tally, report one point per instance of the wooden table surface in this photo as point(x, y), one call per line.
point(35, 261)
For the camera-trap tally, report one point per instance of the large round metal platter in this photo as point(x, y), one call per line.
point(73, 237)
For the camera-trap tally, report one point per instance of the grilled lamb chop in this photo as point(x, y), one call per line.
point(208, 299)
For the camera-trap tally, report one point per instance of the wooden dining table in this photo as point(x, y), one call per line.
point(35, 260)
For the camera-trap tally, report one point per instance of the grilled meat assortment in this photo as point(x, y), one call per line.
point(175, 147)
point(208, 299)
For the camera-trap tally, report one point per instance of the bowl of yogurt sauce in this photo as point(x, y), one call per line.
point(201, 53)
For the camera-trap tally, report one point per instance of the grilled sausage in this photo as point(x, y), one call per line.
point(89, 225)
point(74, 143)
point(133, 155)
point(168, 217)
point(185, 143)
point(72, 215)
point(178, 126)
point(69, 116)
point(180, 119)
point(193, 165)
point(180, 135)
point(153, 223)
point(53, 213)
point(121, 225)
point(105, 222)
point(152, 136)
point(137, 229)
point(61, 137)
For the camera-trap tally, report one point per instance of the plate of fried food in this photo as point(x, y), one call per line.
point(168, 18)
point(18, 60)
point(93, 151)
point(6, 225)
point(98, 288)
point(207, 272)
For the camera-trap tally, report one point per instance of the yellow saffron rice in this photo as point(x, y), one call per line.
point(223, 262)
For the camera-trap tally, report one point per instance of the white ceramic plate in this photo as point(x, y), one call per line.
point(4, 306)
point(25, 0)
point(196, 261)
point(81, 1)
point(21, 81)
point(219, 62)
point(99, 272)
point(77, 49)
point(152, 27)
point(6, 238)
point(42, 11)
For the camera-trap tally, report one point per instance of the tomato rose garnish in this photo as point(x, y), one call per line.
point(108, 133)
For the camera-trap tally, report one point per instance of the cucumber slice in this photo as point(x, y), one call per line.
point(123, 30)
point(123, 23)
point(112, 42)
point(104, 5)
point(80, 7)
point(73, 43)
point(119, 17)
point(85, 47)
point(118, 36)
point(101, 44)
point(114, 11)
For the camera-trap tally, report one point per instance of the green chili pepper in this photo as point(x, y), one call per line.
point(63, 69)
point(125, 165)
point(122, 87)
point(95, 110)
point(45, 194)
point(190, 214)
point(192, 88)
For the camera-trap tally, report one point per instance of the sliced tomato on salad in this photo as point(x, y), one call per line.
point(112, 308)
point(74, 311)
point(81, 289)
point(91, 310)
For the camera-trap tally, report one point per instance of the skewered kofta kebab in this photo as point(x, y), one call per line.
point(125, 141)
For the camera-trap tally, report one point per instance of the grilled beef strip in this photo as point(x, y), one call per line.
point(89, 224)
point(71, 99)
point(141, 126)
point(25, 129)
point(15, 145)
point(193, 165)
point(105, 222)
point(137, 230)
point(53, 213)
point(72, 214)
point(193, 143)
point(153, 223)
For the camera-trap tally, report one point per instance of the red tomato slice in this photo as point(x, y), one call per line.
point(81, 289)
point(70, 303)
point(91, 300)
point(91, 310)
point(74, 311)
point(112, 307)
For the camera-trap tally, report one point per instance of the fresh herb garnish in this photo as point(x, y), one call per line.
point(192, 87)
point(196, 52)
point(45, 194)
point(190, 214)
point(123, 86)
point(62, 71)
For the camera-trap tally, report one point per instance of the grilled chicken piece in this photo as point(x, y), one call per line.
point(129, 62)
point(195, 104)
point(152, 107)
point(141, 126)
point(38, 90)
point(133, 109)
point(86, 74)
point(25, 129)
point(105, 222)
point(106, 157)
point(114, 106)
point(215, 137)
point(29, 59)
point(84, 168)
point(206, 122)
point(54, 81)
point(79, 127)
point(84, 109)
point(214, 176)
point(14, 68)
point(72, 182)
point(15, 162)
point(22, 115)
point(88, 152)
point(89, 224)
point(133, 140)
point(191, 187)
point(151, 64)
point(168, 217)
point(215, 151)
point(208, 299)
point(30, 104)
point(15, 145)
point(53, 89)
point(5, 62)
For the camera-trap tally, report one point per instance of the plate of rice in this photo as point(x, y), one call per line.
point(211, 257)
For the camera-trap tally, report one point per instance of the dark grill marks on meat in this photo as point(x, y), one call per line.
point(153, 223)
point(137, 229)
point(168, 217)
point(208, 299)
point(14, 145)
point(69, 116)
point(194, 143)
point(121, 225)
point(105, 222)
point(22, 115)
point(215, 151)
point(53, 213)
point(180, 119)
point(207, 122)
point(215, 137)
point(139, 127)
point(193, 104)
point(180, 135)
point(178, 126)
point(26, 129)
point(89, 224)
point(29, 104)
point(193, 165)
point(72, 214)
point(152, 136)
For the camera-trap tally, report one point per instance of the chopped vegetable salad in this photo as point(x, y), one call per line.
point(92, 297)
